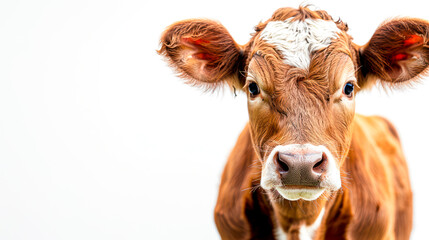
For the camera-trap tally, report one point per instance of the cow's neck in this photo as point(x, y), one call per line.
point(298, 219)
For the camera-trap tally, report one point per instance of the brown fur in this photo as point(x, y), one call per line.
point(216, 42)
point(298, 106)
point(377, 53)
point(380, 210)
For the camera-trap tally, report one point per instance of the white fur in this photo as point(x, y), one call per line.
point(280, 234)
point(305, 232)
point(308, 232)
point(270, 179)
point(296, 40)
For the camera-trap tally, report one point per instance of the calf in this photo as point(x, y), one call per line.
point(306, 166)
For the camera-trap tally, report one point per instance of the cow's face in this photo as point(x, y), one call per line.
point(300, 72)
point(300, 83)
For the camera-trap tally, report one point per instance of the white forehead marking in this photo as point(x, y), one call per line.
point(296, 40)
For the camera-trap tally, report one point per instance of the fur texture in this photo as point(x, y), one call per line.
point(300, 105)
point(297, 40)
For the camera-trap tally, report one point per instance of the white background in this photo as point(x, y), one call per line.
point(100, 140)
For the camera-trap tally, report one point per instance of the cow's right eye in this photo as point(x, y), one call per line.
point(348, 89)
point(253, 89)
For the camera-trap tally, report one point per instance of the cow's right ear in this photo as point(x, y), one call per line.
point(203, 52)
point(397, 52)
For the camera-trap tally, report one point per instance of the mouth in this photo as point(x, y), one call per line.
point(294, 194)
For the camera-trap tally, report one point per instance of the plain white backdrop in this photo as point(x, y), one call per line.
point(100, 140)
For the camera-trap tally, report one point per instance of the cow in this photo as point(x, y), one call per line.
point(306, 166)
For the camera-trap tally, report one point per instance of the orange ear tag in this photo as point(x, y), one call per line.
point(400, 57)
point(412, 40)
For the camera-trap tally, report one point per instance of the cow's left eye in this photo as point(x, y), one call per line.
point(348, 89)
point(253, 89)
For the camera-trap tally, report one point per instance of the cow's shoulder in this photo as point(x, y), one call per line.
point(376, 175)
point(375, 143)
point(242, 210)
point(374, 126)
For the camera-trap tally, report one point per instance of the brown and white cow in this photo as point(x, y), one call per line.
point(306, 166)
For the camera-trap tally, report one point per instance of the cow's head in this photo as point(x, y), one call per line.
point(301, 72)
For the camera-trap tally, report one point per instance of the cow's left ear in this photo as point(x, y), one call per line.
point(397, 52)
point(203, 52)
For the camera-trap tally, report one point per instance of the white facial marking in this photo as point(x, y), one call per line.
point(296, 40)
point(308, 232)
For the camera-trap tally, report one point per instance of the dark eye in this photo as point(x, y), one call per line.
point(253, 89)
point(348, 89)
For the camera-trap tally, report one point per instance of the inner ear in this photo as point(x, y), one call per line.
point(404, 56)
point(203, 52)
point(397, 52)
point(200, 50)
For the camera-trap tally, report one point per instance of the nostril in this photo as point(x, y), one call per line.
point(283, 167)
point(320, 166)
point(318, 163)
